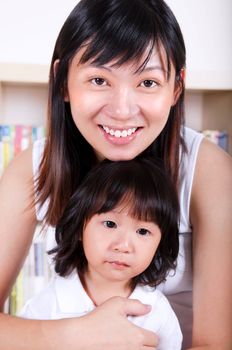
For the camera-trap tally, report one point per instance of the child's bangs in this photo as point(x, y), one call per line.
point(137, 202)
point(140, 206)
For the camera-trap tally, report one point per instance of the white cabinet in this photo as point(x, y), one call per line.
point(28, 29)
point(207, 30)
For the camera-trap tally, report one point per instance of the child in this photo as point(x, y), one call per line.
point(118, 236)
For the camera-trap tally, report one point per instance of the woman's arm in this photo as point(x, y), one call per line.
point(105, 328)
point(211, 217)
point(17, 219)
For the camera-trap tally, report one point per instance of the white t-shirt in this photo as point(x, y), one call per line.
point(66, 297)
point(178, 286)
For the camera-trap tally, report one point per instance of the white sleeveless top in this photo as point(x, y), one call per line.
point(178, 286)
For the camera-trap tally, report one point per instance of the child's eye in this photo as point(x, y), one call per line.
point(99, 81)
point(109, 224)
point(143, 232)
point(148, 83)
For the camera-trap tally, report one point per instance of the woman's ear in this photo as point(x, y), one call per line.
point(55, 68)
point(179, 85)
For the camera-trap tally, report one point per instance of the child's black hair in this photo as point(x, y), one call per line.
point(145, 190)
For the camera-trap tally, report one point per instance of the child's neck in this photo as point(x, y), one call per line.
point(99, 290)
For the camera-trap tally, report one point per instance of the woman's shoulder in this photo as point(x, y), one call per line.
point(212, 190)
point(213, 165)
point(211, 151)
point(20, 168)
point(23, 165)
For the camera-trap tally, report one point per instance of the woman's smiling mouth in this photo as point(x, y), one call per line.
point(119, 133)
point(120, 136)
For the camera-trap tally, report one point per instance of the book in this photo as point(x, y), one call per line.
point(218, 137)
point(16, 138)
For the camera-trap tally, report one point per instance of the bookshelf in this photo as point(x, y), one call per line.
point(24, 62)
point(210, 110)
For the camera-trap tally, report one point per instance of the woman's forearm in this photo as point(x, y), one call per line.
point(212, 347)
point(92, 331)
point(23, 334)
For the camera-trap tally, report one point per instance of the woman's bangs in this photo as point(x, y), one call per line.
point(122, 34)
point(128, 50)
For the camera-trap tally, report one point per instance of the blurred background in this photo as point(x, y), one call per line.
point(28, 30)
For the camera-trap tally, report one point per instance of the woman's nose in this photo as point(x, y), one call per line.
point(123, 104)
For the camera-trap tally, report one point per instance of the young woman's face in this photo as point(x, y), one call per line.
point(118, 247)
point(119, 111)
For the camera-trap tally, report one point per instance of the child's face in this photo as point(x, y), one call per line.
point(119, 111)
point(119, 247)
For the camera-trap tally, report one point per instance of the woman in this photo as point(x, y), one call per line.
point(116, 91)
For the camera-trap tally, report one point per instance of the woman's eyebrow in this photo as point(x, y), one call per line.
point(152, 68)
point(99, 66)
point(138, 72)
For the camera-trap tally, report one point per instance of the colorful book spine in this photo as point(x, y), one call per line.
point(220, 138)
point(16, 138)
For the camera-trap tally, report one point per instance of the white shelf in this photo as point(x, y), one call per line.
point(208, 81)
point(24, 73)
point(38, 74)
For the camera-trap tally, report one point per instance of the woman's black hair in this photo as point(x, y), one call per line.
point(110, 30)
point(144, 190)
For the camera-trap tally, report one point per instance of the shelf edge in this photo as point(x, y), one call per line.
point(24, 73)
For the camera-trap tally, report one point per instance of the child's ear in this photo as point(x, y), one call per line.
point(179, 84)
point(55, 68)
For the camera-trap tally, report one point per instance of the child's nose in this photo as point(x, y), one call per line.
point(123, 244)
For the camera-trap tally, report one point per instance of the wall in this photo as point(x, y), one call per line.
point(28, 28)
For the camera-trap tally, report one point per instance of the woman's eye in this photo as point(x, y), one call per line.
point(109, 224)
point(148, 83)
point(99, 81)
point(143, 231)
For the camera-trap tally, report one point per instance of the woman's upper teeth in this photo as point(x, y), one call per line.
point(119, 133)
